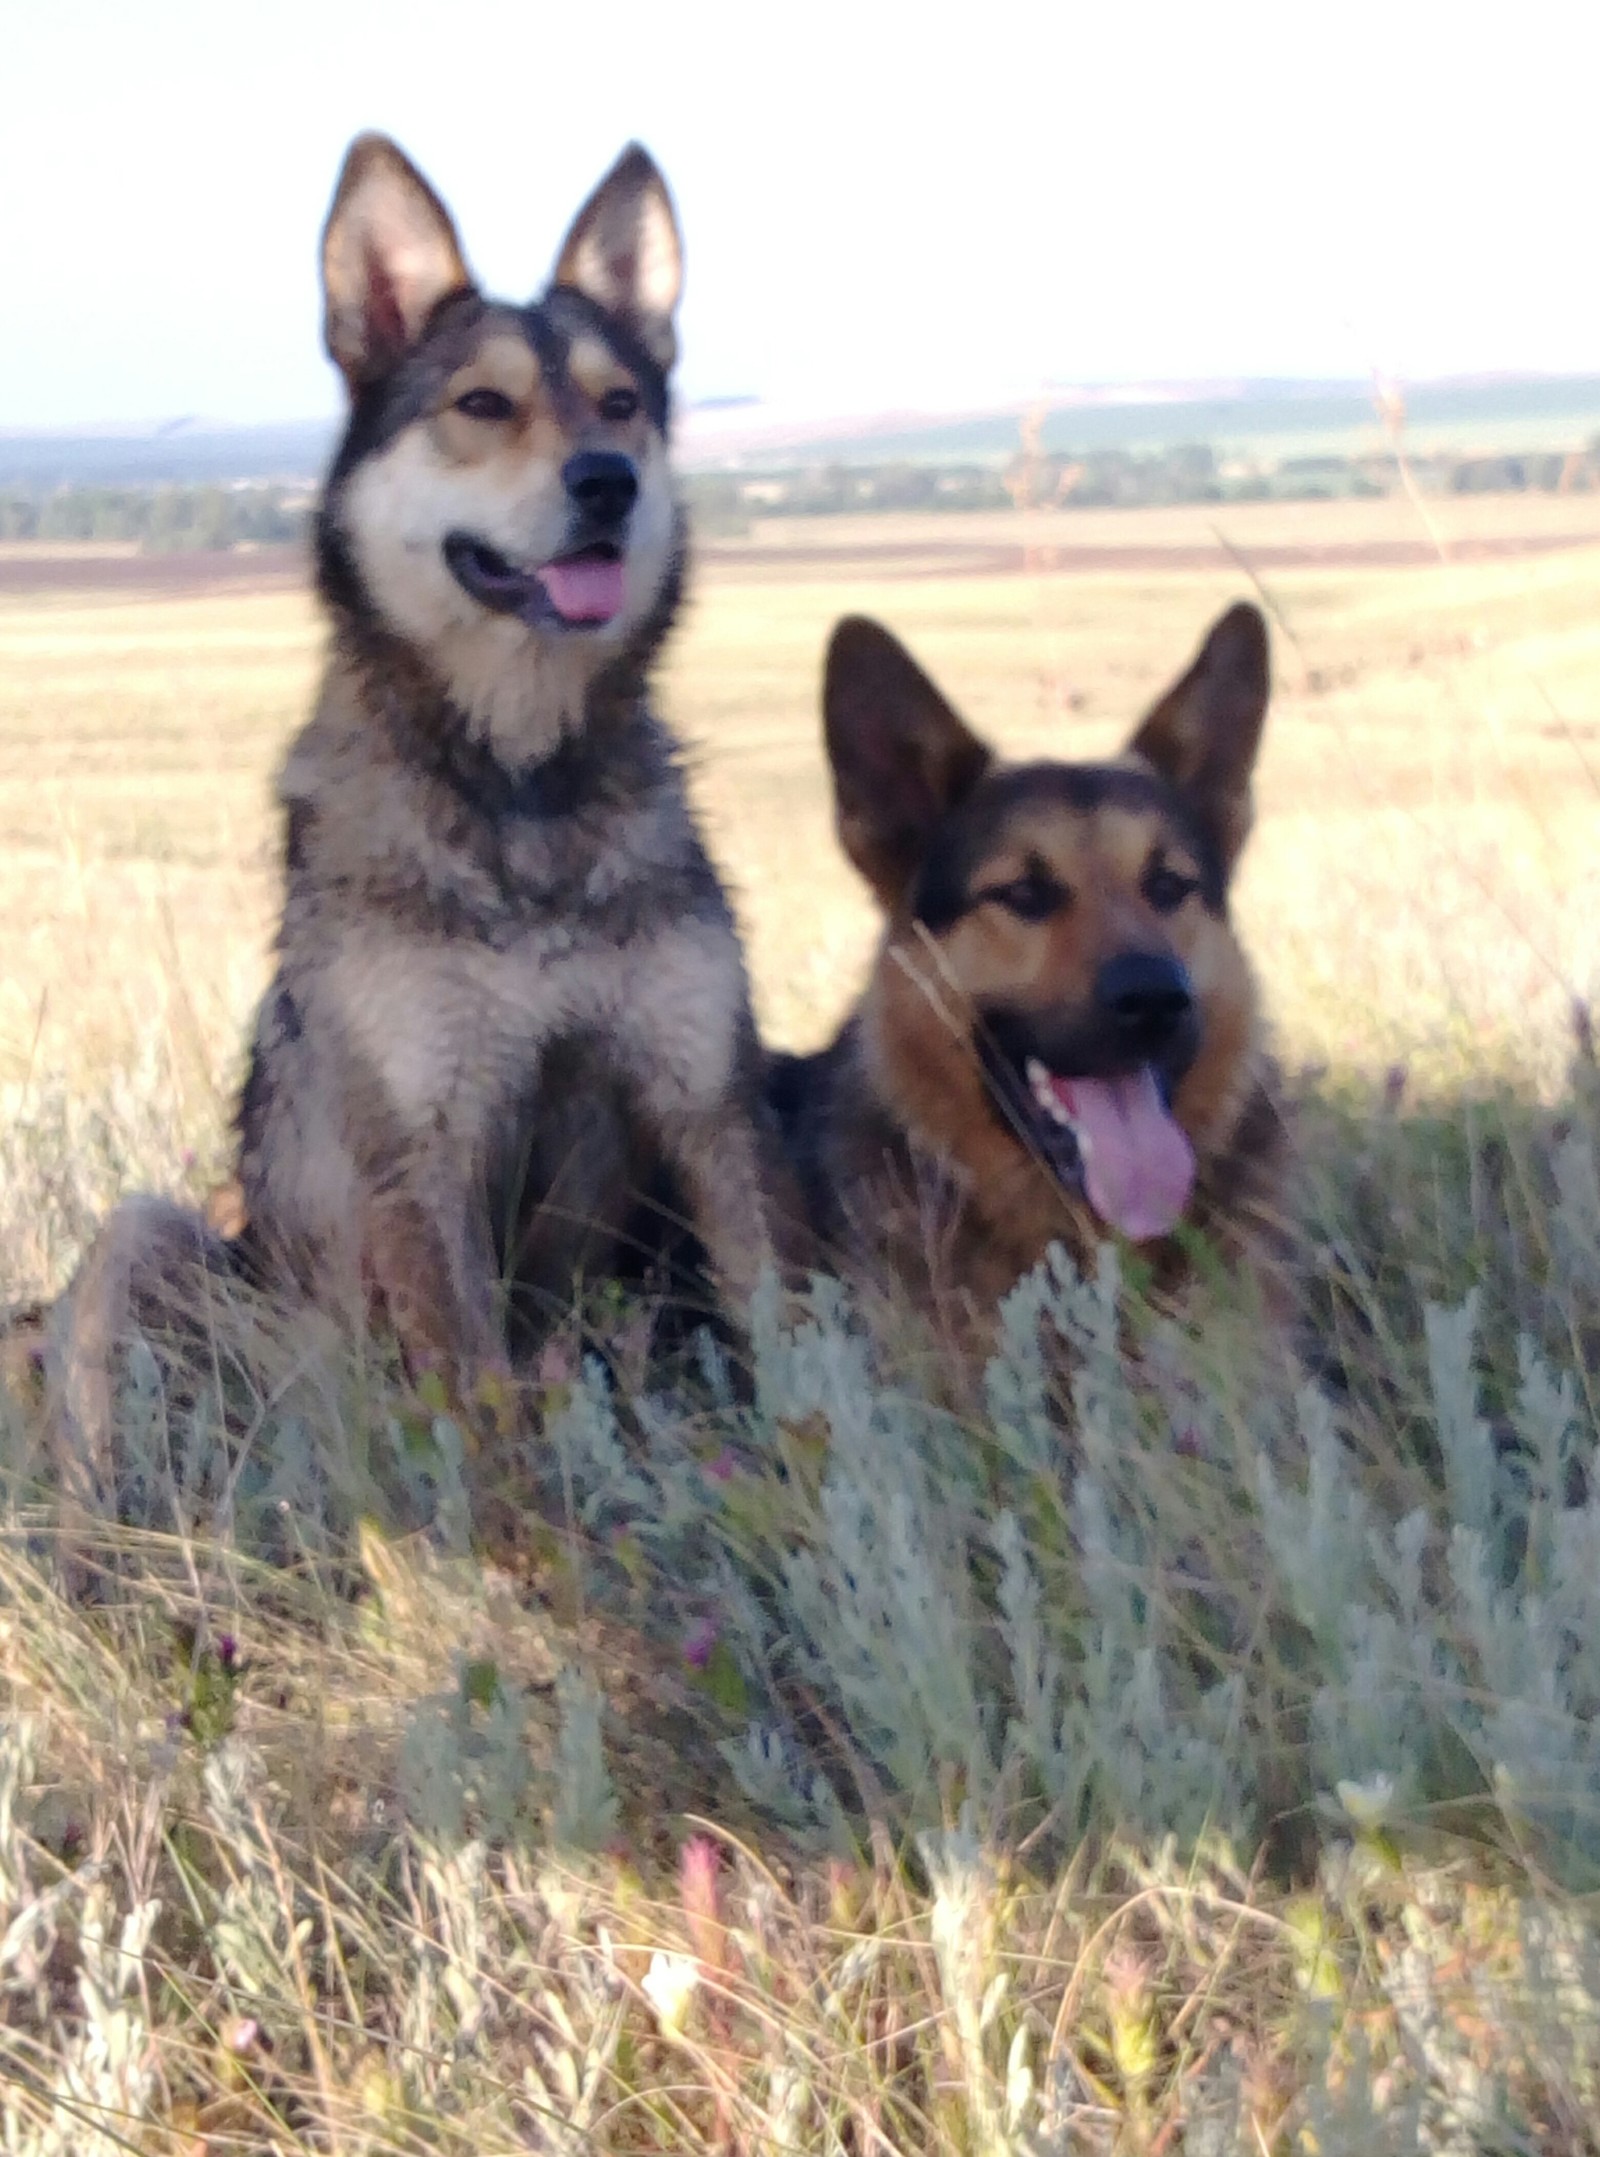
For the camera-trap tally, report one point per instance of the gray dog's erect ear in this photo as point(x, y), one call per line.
point(624, 252)
point(389, 256)
point(901, 755)
point(1204, 734)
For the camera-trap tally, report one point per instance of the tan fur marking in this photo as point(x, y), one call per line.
point(502, 362)
point(595, 368)
point(1101, 858)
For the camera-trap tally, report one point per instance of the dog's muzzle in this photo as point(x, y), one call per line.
point(586, 585)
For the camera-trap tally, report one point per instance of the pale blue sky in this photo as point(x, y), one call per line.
point(885, 206)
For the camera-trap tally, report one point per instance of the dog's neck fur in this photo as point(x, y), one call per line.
point(905, 1210)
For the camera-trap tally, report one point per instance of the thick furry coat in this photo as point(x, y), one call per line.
point(508, 1036)
point(509, 1003)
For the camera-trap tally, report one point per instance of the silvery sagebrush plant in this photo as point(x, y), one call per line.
point(1005, 1605)
point(474, 1764)
point(1469, 1631)
point(1110, 1595)
point(911, 1594)
point(258, 1925)
point(1462, 1634)
point(95, 2075)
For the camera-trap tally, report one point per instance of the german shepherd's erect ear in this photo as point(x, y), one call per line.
point(901, 757)
point(624, 253)
point(1204, 733)
point(389, 256)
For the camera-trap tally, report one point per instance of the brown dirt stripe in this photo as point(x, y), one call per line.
point(1061, 557)
point(176, 576)
point(156, 576)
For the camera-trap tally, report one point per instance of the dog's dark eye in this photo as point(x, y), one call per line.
point(1166, 888)
point(619, 404)
point(486, 404)
point(1034, 897)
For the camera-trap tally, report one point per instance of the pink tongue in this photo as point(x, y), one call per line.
point(584, 591)
point(1138, 1167)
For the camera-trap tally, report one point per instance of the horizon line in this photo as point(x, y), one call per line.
point(1129, 390)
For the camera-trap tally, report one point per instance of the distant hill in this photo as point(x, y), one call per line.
point(1510, 414)
point(173, 452)
point(1294, 418)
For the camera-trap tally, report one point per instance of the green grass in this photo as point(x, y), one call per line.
point(1191, 1750)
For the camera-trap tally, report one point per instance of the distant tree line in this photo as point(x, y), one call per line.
point(722, 499)
point(194, 520)
point(160, 520)
point(1118, 478)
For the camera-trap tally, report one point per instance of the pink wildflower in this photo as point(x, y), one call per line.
point(699, 1868)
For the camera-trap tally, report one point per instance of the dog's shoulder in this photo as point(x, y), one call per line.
point(833, 1128)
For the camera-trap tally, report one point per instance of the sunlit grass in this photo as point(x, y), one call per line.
point(557, 1784)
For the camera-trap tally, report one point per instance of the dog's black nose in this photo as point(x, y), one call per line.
point(603, 485)
point(1146, 997)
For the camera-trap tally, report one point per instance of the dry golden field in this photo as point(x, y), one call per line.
point(1422, 887)
point(1205, 1762)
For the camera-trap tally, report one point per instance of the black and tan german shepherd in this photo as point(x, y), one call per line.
point(509, 1000)
point(1059, 1039)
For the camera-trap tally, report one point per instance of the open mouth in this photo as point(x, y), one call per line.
point(582, 590)
point(1115, 1140)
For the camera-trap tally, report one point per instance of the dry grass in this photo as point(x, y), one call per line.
point(1420, 888)
point(289, 1852)
point(1422, 872)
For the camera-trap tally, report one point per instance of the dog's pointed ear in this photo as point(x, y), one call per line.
point(901, 756)
point(624, 252)
point(389, 256)
point(1204, 734)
